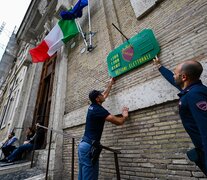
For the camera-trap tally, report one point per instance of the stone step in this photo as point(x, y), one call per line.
point(10, 168)
point(21, 171)
point(38, 177)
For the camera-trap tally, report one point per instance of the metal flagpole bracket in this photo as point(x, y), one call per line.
point(90, 46)
point(82, 33)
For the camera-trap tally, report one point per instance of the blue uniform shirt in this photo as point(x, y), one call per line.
point(95, 121)
point(192, 110)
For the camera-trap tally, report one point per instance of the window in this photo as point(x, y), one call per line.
point(5, 113)
point(13, 106)
point(2, 116)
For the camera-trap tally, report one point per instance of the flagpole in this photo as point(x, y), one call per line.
point(90, 47)
point(81, 31)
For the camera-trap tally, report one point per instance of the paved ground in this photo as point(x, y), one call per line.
point(9, 164)
point(20, 175)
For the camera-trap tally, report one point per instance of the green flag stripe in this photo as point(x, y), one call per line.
point(69, 29)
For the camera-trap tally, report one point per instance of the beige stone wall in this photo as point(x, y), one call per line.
point(153, 142)
point(180, 27)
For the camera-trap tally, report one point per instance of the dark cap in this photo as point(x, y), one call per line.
point(94, 94)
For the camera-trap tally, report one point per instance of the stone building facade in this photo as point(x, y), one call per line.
point(6, 64)
point(153, 141)
point(17, 90)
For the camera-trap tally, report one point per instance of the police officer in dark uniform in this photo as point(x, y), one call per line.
point(89, 148)
point(192, 106)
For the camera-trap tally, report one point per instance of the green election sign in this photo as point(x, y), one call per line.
point(137, 50)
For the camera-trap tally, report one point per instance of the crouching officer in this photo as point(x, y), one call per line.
point(192, 106)
point(89, 148)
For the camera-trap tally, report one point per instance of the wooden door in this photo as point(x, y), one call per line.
point(43, 102)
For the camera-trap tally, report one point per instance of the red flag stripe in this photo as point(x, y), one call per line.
point(39, 53)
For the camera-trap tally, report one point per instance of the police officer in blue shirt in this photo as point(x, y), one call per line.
point(89, 148)
point(192, 106)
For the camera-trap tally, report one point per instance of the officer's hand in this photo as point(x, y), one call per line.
point(125, 111)
point(157, 62)
point(112, 81)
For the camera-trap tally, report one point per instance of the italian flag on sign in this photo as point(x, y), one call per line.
point(61, 33)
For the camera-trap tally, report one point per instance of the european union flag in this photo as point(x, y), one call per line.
point(76, 12)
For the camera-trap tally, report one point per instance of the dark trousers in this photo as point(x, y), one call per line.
point(198, 157)
point(8, 150)
point(18, 152)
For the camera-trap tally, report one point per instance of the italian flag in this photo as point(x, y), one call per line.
point(61, 33)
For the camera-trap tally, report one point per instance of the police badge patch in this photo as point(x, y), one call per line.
point(202, 105)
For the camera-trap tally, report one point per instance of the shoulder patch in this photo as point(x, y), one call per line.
point(202, 105)
point(90, 108)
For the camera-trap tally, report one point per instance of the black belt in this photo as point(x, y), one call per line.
point(89, 141)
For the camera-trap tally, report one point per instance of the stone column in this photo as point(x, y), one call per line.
point(57, 113)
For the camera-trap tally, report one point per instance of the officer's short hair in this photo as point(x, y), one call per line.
point(94, 94)
point(193, 69)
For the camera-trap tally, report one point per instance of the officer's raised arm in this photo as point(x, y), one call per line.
point(108, 88)
point(166, 73)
